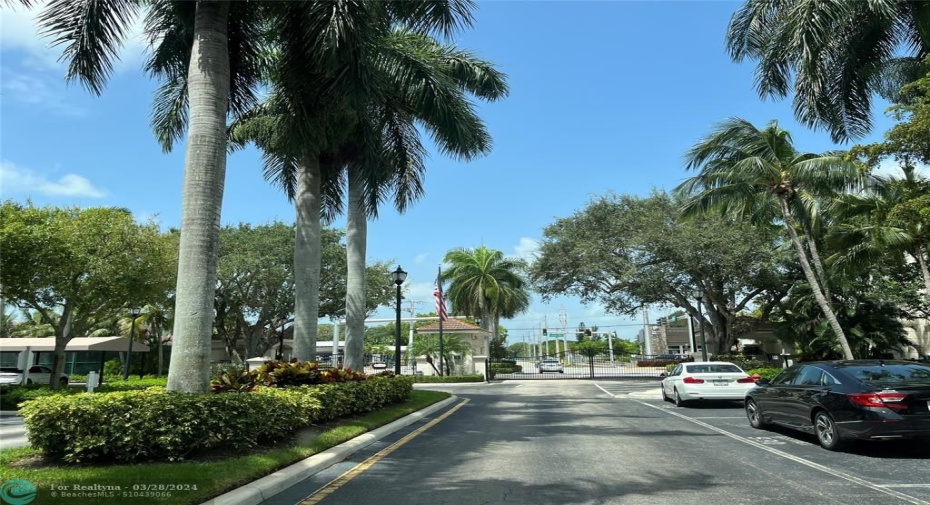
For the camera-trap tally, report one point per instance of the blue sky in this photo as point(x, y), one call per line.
point(605, 96)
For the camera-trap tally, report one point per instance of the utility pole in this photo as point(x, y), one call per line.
point(647, 338)
point(563, 318)
point(411, 357)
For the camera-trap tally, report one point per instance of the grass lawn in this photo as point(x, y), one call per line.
point(190, 482)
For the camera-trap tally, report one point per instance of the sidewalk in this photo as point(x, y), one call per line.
point(272, 484)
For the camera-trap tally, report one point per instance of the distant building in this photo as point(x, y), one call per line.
point(478, 338)
point(82, 355)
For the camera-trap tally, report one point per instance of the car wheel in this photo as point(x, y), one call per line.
point(63, 381)
point(28, 381)
point(754, 414)
point(827, 433)
point(561, 371)
point(665, 397)
point(678, 401)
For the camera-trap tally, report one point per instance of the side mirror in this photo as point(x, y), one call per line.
point(762, 382)
point(663, 374)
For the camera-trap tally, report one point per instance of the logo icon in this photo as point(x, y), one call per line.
point(17, 492)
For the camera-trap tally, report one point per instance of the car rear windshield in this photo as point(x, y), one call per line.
point(892, 374)
point(713, 369)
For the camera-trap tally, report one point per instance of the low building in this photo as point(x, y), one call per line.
point(82, 354)
point(477, 338)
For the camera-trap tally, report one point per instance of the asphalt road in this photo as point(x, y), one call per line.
point(608, 442)
point(12, 432)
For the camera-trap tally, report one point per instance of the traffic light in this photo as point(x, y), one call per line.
point(545, 332)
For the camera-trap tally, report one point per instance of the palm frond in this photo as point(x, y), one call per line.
point(91, 32)
point(445, 17)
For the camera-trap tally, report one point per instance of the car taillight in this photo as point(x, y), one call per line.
point(692, 380)
point(745, 380)
point(889, 400)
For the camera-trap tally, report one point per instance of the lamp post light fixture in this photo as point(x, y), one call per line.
point(699, 297)
point(134, 312)
point(399, 276)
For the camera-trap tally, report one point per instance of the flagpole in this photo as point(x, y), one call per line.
point(442, 368)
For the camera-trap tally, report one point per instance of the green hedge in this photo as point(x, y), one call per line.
point(505, 367)
point(131, 384)
point(154, 424)
point(765, 372)
point(448, 378)
point(12, 396)
point(657, 362)
point(744, 362)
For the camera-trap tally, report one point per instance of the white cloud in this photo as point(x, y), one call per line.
point(34, 90)
point(418, 291)
point(419, 259)
point(526, 249)
point(14, 179)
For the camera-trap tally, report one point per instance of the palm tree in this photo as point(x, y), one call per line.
point(428, 345)
point(893, 221)
point(486, 284)
point(425, 84)
point(760, 175)
point(209, 55)
point(206, 54)
point(837, 53)
point(308, 140)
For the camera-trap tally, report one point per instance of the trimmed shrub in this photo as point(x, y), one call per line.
point(283, 374)
point(113, 368)
point(742, 361)
point(449, 378)
point(132, 384)
point(12, 396)
point(656, 362)
point(764, 372)
point(129, 426)
point(505, 367)
point(154, 424)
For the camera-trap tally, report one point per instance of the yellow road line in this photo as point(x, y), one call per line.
point(343, 479)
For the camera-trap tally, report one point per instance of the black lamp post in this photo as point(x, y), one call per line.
point(134, 312)
point(399, 277)
point(699, 297)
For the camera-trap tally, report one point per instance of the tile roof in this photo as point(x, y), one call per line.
point(451, 325)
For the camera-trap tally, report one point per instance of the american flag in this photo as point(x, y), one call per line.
point(440, 303)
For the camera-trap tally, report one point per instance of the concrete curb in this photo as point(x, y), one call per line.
point(260, 490)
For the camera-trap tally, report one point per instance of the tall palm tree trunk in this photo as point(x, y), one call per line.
point(818, 265)
point(307, 260)
point(812, 279)
point(204, 178)
point(356, 245)
point(924, 270)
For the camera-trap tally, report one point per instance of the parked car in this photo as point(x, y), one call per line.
point(551, 365)
point(37, 375)
point(839, 401)
point(707, 380)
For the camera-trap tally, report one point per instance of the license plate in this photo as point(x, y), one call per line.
point(721, 383)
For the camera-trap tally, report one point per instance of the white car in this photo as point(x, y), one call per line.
point(706, 380)
point(551, 365)
point(37, 375)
